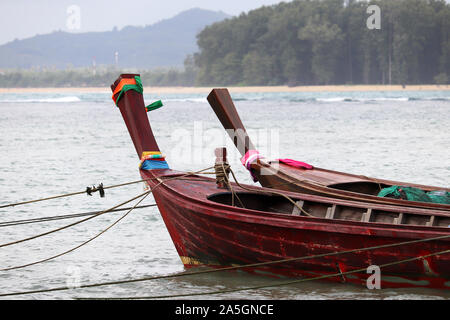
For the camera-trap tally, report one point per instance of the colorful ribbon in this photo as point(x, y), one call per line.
point(151, 160)
point(253, 155)
point(125, 85)
point(135, 84)
point(247, 160)
point(295, 163)
point(153, 106)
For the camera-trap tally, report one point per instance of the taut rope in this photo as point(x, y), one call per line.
point(259, 264)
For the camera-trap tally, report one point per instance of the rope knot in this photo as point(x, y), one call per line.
point(100, 189)
point(222, 168)
point(222, 171)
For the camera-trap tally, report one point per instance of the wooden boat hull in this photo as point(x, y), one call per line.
point(337, 184)
point(207, 233)
point(206, 229)
point(313, 181)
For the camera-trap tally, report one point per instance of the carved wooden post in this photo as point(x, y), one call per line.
point(221, 163)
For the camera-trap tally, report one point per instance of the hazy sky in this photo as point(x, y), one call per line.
point(25, 18)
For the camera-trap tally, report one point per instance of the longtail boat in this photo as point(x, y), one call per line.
point(290, 175)
point(208, 227)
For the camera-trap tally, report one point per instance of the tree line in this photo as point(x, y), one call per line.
point(321, 42)
point(100, 77)
point(303, 42)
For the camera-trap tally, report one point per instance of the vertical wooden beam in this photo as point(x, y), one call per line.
point(366, 217)
point(330, 212)
point(221, 159)
point(399, 219)
point(296, 211)
point(431, 222)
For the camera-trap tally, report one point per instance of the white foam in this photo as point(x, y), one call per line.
point(49, 100)
point(185, 100)
point(334, 99)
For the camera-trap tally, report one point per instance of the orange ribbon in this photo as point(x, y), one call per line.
point(122, 83)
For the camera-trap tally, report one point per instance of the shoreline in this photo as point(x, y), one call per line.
point(255, 89)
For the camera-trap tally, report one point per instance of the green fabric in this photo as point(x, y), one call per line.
point(140, 89)
point(440, 196)
point(136, 87)
point(415, 194)
point(153, 106)
point(405, 193)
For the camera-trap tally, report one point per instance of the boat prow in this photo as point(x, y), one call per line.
point(243, 225)
point(308, 179)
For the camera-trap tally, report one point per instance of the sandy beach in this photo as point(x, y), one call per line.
point(203, 90)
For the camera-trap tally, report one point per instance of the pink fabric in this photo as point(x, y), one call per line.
point(296, 164)
point(250, 157)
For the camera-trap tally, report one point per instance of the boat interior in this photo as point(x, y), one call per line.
point(343, 181)
point(366, 187)
point(281, 205)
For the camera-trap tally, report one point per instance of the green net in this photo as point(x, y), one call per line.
point(415, 194)
point(439, 196)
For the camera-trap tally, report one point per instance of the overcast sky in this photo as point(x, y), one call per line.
point(25, 18)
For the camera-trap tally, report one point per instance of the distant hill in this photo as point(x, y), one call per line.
point(163, 44)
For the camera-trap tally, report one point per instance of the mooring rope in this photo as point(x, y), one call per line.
point(71, 224)
point(62, 217)
point(222, 171)
point(68, 194)
point(278, 284)
point(265, 191)
point(84, 191)
point(143, 196)
point(252, 265)
point(101, 213)
point(226, 268)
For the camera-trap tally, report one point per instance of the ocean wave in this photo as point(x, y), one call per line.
point(441, 99)
point(360, 99)
point(335, 99)
point(312, 99)
point(389, 99)
point(279, 97)
point(47, 100)
point(185, 100)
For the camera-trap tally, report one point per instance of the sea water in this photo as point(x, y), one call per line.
point(53, 144)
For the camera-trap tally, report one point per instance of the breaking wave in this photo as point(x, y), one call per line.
point(45, 100)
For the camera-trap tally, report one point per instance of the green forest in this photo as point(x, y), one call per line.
point(302, 42)
point(99, 77)
point(328, 42)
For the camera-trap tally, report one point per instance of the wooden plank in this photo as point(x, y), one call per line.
point(296, 211)
point(367, 215)
point(399, 219)
point(431, 222)
point(330, 212)
point(225, 110)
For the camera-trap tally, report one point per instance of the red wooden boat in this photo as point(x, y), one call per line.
point(207, 230)
point(308, 179)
